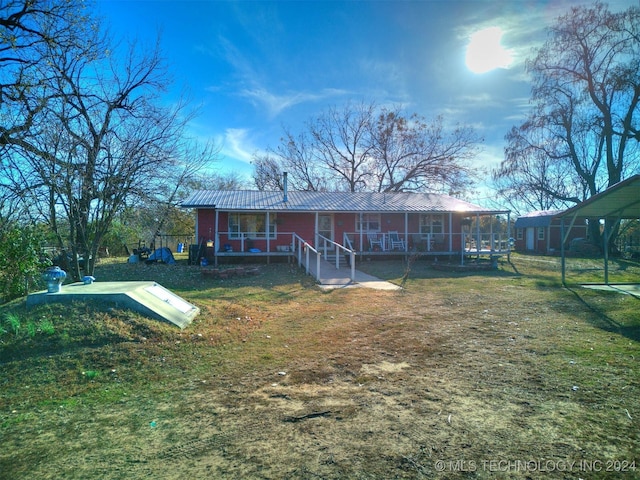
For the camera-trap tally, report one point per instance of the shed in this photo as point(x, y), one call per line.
point(539, 232)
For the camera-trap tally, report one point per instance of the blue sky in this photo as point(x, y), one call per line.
point(256, 66)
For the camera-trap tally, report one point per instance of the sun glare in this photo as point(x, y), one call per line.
point(486, 53)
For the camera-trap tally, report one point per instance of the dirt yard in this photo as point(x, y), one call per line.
point(485, 375)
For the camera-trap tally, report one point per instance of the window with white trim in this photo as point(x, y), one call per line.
point(431, 224)
point(251, 225)
point(368, 222)
point(519, 233)
point(540, 233)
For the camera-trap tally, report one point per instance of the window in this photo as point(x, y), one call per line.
point(431, 224)
point(251, 225)
point(519, 233)
point(540, 233)
point(368, 222)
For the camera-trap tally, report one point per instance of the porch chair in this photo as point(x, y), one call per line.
point(374, 241)
point(395, 240)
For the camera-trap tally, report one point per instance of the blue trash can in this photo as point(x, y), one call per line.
point(180, 248)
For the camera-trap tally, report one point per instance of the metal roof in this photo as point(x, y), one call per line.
point(300, 201)
point(538, 218)
point(621, 200)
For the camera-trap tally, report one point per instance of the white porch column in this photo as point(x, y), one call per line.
point(216, 240)
point(492, 246)
point(268, 233)
point(406, 231)
point(478, 240)
point(315, 233)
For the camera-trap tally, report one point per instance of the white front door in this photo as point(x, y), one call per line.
point(325, 228)
point(530, 238)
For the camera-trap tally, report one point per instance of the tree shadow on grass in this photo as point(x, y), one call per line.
point(601, 319)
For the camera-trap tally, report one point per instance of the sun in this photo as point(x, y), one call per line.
point(486, 53)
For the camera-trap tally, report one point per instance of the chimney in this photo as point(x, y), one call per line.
point(285, 186)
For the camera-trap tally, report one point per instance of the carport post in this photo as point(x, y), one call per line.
point(562, 240)
point(605, 242)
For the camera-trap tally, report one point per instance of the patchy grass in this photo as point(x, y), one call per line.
point(500, 374)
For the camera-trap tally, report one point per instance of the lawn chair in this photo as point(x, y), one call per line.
point(395, 241)
point(375, 242)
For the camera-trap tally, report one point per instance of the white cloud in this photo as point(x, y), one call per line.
point(274, 104)
point(237, 145)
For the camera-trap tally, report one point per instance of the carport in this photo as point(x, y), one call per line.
point(618, 202)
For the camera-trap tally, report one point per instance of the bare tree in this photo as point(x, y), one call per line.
point(540, 181)
point(363, 148)
point(170, 194)
point(342, 144)
point(296, 156)
point(411, 154)
point(27, 29)
point(267, 173)
point(93, 140)
point(583, 127)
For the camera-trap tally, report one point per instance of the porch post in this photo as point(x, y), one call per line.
point(509, 237)
point(198, 225)
point(548, 247)
point(406, 231)
point(315, 234)
point(478, 240)
point(268, 235)
point(268, 219)
point(216, 239)
point(491, 239)
point(451, 232)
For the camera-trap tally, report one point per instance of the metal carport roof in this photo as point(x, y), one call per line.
point(620, 201)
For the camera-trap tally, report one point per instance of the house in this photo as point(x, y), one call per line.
point(540, 232)
point(278, 223)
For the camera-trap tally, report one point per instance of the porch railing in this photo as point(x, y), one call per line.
point(338, 250)
point(246, 241)
point(443, 243)
point(486, 242)
point(306, 253)
point(356, 243)
point(359, 242)
point(303, 251)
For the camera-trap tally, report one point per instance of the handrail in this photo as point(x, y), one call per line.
point(338, 248)
point(352, 255)
point(301, 245)
point(347, 241)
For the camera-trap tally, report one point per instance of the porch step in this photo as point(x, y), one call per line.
point(342, 261)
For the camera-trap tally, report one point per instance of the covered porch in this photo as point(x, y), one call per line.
point(343, 226)
point(434, 238)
